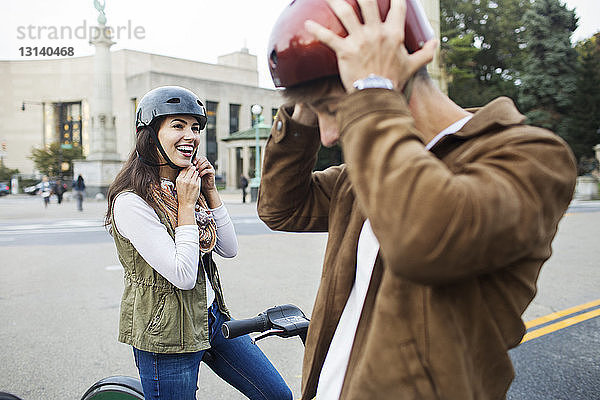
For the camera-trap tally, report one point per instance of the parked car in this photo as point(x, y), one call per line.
point(34, 189)
point(4, 188)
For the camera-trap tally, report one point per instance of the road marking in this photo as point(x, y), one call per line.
point(564, 323)
point(560, 325)
point(558, 314)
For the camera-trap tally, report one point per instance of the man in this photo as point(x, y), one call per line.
point(439, 222)
point(59, 189)
point(243, 185)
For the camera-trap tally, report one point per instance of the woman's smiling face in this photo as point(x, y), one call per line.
point(179, 136)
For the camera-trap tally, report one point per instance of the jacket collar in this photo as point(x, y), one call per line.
point(500, 112)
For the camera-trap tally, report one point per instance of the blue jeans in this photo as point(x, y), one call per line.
point(237, 361)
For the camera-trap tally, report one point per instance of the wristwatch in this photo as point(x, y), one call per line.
point(373, 81)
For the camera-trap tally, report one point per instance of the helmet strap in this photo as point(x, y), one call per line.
point(170, 163)
point(147, 162)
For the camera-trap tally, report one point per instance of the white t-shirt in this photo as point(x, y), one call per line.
point(335, 365)
point(177, 261)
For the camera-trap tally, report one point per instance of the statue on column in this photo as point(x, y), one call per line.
point(100, 7)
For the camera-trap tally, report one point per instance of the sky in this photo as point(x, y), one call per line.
point(199, 30)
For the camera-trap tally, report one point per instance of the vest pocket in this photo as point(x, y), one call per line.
point(157, 316)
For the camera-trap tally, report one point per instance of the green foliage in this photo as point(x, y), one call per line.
point(582, 126)
point(482, 48)
point(49, 160)
point(6, 173)
point(549, 79)
point(522, 49)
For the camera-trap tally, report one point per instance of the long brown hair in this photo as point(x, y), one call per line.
point(136, 175)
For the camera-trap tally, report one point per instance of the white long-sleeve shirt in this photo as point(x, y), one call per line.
point(177, 261)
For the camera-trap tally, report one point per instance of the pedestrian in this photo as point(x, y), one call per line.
point(439, 221)
point(243, 185)
point(59, 189)
point(166, 217)
point(45, 190)
point(79, 191)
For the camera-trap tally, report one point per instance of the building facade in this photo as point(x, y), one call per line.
point(48, 101)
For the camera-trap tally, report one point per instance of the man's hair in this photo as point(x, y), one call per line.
point(311, 91)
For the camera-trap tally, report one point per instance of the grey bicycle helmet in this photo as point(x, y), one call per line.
point(162, 101)
point(169, 100)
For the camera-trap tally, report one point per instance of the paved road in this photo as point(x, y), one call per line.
point(562, 365)
point(61, 285)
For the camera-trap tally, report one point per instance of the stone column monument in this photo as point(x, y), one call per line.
point(435, 68)
point(103, 162)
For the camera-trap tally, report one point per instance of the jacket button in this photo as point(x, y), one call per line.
point(279, 125)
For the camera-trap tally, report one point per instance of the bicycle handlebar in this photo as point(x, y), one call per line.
point(284, 321)
point(234, 328)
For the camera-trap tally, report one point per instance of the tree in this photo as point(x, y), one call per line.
point(482, 48)
point(49, 161)
point(548, 78)
point(5, 172)
point(582, 126)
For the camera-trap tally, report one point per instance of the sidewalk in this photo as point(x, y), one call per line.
point(31, 208)
point(27, 207)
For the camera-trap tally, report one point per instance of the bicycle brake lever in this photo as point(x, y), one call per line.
point(270, 332)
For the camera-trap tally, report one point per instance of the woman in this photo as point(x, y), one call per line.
point(166, 218)
point(46, 190)
point(79, 189)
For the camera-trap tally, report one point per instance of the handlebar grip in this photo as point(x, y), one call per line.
point(234, 328)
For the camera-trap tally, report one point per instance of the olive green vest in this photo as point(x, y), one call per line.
point(156, 316)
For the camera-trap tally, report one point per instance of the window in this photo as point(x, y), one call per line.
point(69, 124)
point(273, 114)
point(211, 132)
point(234, 118)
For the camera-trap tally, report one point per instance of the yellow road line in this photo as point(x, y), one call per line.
point(560, 325)
point(558, 314)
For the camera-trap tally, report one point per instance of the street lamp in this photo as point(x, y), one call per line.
point(43, 104)
point(256, 111)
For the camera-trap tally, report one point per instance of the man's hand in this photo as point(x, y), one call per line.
point(373, 47)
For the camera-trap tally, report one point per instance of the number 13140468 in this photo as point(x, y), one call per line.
point(46, 51)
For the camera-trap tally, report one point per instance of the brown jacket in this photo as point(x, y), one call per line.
point(463, 232)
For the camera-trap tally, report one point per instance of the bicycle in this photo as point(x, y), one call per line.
point(284, 321)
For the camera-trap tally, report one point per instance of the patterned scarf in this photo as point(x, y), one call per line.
point(165, 197)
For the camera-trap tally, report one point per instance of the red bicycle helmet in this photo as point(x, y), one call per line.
point(295, 56)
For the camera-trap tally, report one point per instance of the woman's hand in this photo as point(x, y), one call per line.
point(372, 47)
point(188, 187)
point(207, 173)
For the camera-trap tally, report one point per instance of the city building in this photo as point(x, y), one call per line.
point(47, 101)
point(50, 101)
